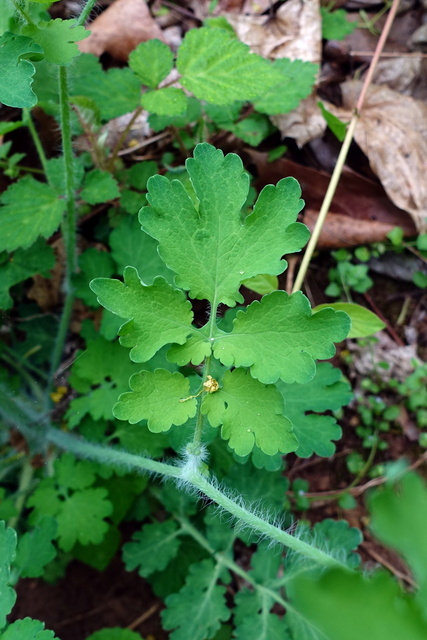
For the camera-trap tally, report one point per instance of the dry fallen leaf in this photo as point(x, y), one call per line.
point(120, 28)
point(392, 132)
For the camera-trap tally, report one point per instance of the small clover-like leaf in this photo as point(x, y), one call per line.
point(17, 71)
point(220, 69)
point(149, 327)
point(158, 397)
point(325, 392)
point(151, 61)
point(29, 209)
point(152, 548)
point(81, 518)
point(169, 101)
point(278, 337)
point(57, 39)
point(209, 246)
point(99, 186)
point(250, 413)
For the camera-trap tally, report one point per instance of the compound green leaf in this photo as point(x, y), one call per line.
point(297, 80)
point(250, 414)
point(169, 101)
point(211, 249)
point(7, 555)
point(17, 71)
point(35, 549)
point(220, 69)
point(151, 61)
point(29, 209)
point(347, 605)
point(100, 374)
point(198, 609)
point(99, 186)
point(130, 246)
point(57, 38)
point(115, 633)
point(262, 626)
point(27, 629)
point(399, 518)
point(81, 518)
point(325, 392)
point(156, 397)
point(152, 548)
point(92, 264)
point(23, 264)
point(279, 337)
point(149, 328)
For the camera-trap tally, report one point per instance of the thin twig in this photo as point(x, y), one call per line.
point(336, 175)
point(142, 618)
point(388, 565)
point(398, 340)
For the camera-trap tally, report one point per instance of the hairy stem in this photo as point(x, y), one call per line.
point(81, 20)
point(69, 232)
point(132, 462)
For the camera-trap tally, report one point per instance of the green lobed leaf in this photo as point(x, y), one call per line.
point(17, 70)
point(7, 555)
point(27, 629)
point(130, 246)
point(23, 264)
point(151, 61)
point(348, 606)
point(149, 328)
point(279, 337)
point(99, 555)
point(152, 548)
point(250, 413)
point(211, 249)
point(29, 209)
point(57, 38)
point(220, 69)
point(399, 518)
point(80, 515)
point(363, 322)
point(338, 128)
point(169, 101)
point(297, 79)
point(198, 609)
point(35, 549)
point(101, 373)
point(156, 397)
point(325, 392)
point(99, 186)
point(253, 620)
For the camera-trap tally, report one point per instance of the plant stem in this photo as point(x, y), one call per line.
point(81, 20)
point(139, 464)
point(243, 514)
point(330, 192)
point(28, 121)
point(69, 232)
point(24, 484)
point(24, 14)
point(224, 560)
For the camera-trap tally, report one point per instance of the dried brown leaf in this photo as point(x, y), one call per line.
point(392, 132)
point(120, 28)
